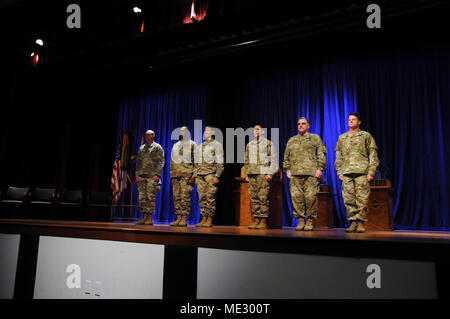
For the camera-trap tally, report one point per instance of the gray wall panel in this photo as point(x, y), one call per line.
point(115, 269)
point(245, 274)
point(9, 251)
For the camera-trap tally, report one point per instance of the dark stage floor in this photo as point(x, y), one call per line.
point(391, 244)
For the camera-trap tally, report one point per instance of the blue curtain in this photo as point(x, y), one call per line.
point(162, 111)
point(405, 102)
point(402, 97)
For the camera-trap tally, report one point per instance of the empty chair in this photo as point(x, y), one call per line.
point(70, 205)
point(17, 195)
point(14, 202)
point(71, 197)
point(42, 203)
point(99, 206)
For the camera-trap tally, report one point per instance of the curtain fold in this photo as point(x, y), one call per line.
point(339, 99)
point(405, 101)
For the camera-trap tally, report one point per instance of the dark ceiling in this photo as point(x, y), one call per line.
point(110, 32)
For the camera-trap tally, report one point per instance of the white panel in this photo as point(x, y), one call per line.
point(114, 269)
point(227, 274)
point(9, 251)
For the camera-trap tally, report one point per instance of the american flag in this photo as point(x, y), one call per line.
point(124, 161)
point(117, 174)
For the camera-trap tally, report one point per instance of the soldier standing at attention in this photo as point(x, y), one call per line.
point(149, 166)
point(304, 161)
point(208, 169)
point(260, 164)
point(356, 164)
point(182, 176)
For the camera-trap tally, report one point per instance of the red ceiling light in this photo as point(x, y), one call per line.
point(35, 57)
point(193, 17)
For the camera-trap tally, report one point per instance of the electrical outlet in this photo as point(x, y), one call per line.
point(87, 287)
point(98, 289)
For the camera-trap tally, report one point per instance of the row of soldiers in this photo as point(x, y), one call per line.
point(304, 163)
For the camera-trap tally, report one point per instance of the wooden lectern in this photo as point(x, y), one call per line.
point(325, 209)
point(244, 215)
point(379, 209)
point(380, 206)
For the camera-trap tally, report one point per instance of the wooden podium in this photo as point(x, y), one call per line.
point(325, 209)
point(244, 215)
point(380, 207)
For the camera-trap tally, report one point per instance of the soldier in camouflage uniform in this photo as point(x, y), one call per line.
point(208, 169)
point(304, 162)
point(182, 176)
point(149, 166)
point(356, 164)
point(261, 163)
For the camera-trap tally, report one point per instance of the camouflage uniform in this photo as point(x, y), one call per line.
point(181, 171)
point(260, 160)
point(209, 164)
point(304, 155)
point(356, 157)
point(149, 162)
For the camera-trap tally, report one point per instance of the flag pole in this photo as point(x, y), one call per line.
point(131, 191)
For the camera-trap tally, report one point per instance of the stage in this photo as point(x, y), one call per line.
point(401, 243)
point(201, 252)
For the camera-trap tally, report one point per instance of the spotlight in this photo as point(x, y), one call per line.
point(137, 10)
point(32, 54)
point(40, 42)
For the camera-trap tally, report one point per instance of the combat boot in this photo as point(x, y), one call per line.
point(352, 227)
point(175, 223)
point(256, 222)
point(183, 221)
point(301, 224)
point(360, 228)
point(142, 221)
point(262, 224)
point(149, 220)
point(208, 222)
point(202, 221)
point(309, 225)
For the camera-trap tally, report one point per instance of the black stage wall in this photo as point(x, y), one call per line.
point(58, 130)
